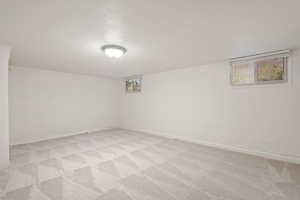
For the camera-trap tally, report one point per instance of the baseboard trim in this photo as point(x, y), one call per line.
point(32, 140)
point(267, 155)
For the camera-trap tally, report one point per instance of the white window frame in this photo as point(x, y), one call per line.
point(253, 59)
point(136, 77)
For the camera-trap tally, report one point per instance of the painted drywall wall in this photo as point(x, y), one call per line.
point(47, 104)
point(199, 105)
point(4, 128)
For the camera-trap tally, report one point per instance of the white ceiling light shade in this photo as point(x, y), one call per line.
point(114, 51)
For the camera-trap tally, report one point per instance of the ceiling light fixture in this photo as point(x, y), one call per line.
point(114, 51)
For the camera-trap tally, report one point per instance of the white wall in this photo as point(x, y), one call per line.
point(196, 104)
point(47, 104)
point(199, 104)
point(4, 145)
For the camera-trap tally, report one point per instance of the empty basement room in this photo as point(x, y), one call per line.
point(149, 100)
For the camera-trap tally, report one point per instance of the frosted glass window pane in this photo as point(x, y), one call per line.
point(242, 73)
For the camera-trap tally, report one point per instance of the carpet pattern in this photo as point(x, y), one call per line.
point(126, 165)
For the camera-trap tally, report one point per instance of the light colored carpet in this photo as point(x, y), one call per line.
point(124, 165)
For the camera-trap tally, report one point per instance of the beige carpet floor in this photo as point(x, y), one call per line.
point(125, 165)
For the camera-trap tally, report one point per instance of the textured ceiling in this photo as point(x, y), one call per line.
point(159, 35)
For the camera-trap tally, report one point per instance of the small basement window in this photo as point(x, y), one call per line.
point(261, 69)
point(133, 84)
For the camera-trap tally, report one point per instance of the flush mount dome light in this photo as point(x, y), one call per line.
point(114, 51)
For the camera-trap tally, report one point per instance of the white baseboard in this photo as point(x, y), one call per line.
point(268, 155)
point(31, 140)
